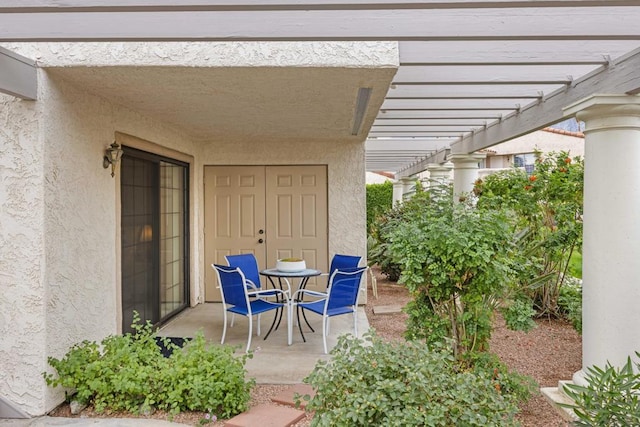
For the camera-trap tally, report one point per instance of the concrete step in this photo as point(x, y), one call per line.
point(266, 415)
point(287, 397)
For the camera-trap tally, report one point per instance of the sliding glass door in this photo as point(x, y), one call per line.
point(155, 258)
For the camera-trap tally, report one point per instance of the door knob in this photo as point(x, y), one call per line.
point(260, 231)
point(260, 241)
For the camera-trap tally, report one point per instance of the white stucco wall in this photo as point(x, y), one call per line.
point(22, 253)
point(541, 140)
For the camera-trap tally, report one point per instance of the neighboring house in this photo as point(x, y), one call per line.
point(228, 147)
point(519, 152)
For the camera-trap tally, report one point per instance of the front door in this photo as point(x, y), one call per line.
point(270, 211)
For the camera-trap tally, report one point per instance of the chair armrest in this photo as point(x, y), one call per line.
point(250, 284)
point(304, 292)
point(269, 291)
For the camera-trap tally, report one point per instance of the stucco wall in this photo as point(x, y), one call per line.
point(58, 232)
point(22, 250)
point(346, 179)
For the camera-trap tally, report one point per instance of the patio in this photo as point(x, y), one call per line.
point(273, 361)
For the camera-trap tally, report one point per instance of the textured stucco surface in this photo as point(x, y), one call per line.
point(59, 223)
point(22, 249)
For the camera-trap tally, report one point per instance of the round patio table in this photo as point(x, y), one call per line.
point(304, 276)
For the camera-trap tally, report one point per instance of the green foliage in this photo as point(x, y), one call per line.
point(379, 200)
point(129, 373)
point(456, 263)
point(372, 382)
point(518, 315)
point(570, 303)
point(611, 397)
point(575, 265)
point(546, 210)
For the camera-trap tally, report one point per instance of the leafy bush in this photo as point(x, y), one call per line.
point(518, 315)
point(547, 208)
point(129, 373)
point(570, 303)
point(611, 397)
point(373, 382)
point(379, 200)
point(456, 263)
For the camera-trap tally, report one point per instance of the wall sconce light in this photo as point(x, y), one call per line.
point(112, 156)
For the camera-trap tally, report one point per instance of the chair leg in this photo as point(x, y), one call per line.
point(259, 324)
point(355, 322)
point(233, 318)
point(224, 328)
point(325, 323)
point(250, 333)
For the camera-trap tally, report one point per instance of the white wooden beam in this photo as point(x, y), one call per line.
point(18, 75)
point(203, 5)
point(614, 23)
point(454, 129)
point(490, 75)
point(513, 52)
point(469, 91)
point(429, 122)
point(448, 114)
point(454, 104)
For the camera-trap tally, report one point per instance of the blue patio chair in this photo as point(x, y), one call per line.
point(236, 298)
point(340, 261)
point(341, 298)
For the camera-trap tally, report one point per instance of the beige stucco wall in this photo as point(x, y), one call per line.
point(346, 179)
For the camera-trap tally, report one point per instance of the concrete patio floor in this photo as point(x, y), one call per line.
point(274, 362)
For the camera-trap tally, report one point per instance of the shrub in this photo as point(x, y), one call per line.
point(373, 382)
point(518, 315)
point(547, 209)
point(570, 303)
point(379, 200)
point(610, 398)
point(129, 373)
point(456, 263)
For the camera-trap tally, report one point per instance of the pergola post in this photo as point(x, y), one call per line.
point(439, 173)
point(398, 188)
point(611, 245)
point(465, 173)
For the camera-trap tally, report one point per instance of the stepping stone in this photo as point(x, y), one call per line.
point(266, 416)
point(287, 397)
point(386, 309)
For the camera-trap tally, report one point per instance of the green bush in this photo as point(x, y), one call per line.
point(456, 262)
point(570, 303)
point(129, 373)
point(518, 315)
point(372, 382)
point(379, 200)
point(610, 398)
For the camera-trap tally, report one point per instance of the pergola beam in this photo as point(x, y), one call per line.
point(508, 23)
point(22, 6)
point(620, 77)
point(18, 75)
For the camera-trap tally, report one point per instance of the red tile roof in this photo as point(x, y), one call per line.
point(564, 132)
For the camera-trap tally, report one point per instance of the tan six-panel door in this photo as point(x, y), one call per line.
point(270, 211)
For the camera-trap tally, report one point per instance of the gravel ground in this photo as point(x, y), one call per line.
point(550, 352)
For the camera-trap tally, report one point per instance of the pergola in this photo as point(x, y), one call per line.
point(472, 74)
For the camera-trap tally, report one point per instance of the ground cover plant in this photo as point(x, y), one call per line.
point(129, 373)
point(371, 381)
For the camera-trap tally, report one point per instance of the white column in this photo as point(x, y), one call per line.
point(397, 192)
point(611, 245)
point(439, 173)
point(465, 173)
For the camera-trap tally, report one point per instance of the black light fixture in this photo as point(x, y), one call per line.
point(112, 156)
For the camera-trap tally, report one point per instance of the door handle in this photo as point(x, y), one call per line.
point(260, 241)
point(260, 231)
